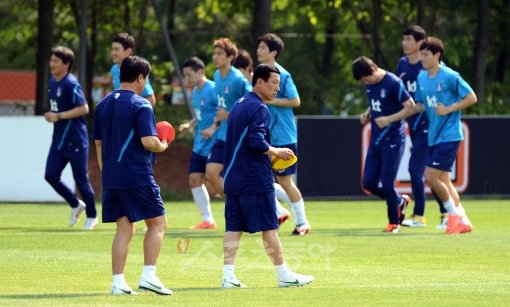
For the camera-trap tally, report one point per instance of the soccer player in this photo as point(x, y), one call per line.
point(124, 133)
point(408, 68)
point(244, 63)
point(283, 128)
point(249, 191)
point(386, 96)
point(442, 93)
point(204, 104)
point(122, 47)
point(230, 85)
point(70, 142)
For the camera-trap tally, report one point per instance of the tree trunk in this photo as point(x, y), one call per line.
point(376, 21)
point(44, 44)
point(481, 48)
point(421, 13)
point(261, 21)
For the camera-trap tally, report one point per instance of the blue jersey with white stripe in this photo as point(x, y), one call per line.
point(121, 119)
point(115, 73)
point(446, 87)
point(282, 125)
point(247, 168)
point(64, 95)
point(385, 98)
point(228, 90)
point(408, 73)
point(204, 105)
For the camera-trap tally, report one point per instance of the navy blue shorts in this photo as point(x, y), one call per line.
point(217, 152)
point(197, 163)
point(250, 213)
point(291, 170)
point(137, 204)
point(443, 155)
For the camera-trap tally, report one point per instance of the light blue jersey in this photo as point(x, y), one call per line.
point(228, 90)
point(446, 87)
point(282, 125)
point(115, 72)
point(204, 105)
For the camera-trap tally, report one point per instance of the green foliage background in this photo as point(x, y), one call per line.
point(321, 37)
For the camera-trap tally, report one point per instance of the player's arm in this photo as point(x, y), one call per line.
point(383, 121)
point(365, 116)
point(151, 98)
point(69, 114)
point(285, 102)
point(99, 153)
point(188, 125)
point(462, 104)
point(152, 143)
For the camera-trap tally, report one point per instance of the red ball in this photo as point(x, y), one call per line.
point(165, 131)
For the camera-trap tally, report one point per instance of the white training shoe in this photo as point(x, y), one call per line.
point(414, 221)
point(76, 212)
point(232, 283)
point(122, 290)
point(443, 223)
point(153, 285)
point(90, 223)
point(294, 280)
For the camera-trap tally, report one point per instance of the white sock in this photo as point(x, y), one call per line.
point(282, 270)
point(280, 193)
point(464, 220)
point(118, 279)
point(449, 205)
point(279, 209)
point(149, 271)
point(299, 212)
point(228, 272)
point(203, 202)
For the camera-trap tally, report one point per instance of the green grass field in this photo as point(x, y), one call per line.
point(45, 263)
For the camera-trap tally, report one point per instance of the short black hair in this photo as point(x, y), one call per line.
point(273, 41)
point(125, 39)
point(194, 63)
point(132, 67)
point(434, 45)
point(362, 67)
point(243, 60)
point(65, 54)
point(263, 71)
point(417, 32)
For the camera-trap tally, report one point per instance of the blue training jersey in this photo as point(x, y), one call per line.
point(446, 87)
point(204, 105)
point(115, 72)
point(408, 73)
point(247, 168)
point(386, 98)
point(121, 119)
point(282, 125)
point(228, 90)
point(64, 95)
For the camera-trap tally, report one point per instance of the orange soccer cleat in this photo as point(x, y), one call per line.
point(204, 225)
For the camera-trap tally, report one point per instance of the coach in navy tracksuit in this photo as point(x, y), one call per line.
point(70, 143)
point(387, 96)
point(248, 180)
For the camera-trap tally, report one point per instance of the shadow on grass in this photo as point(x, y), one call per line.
point(370, 232)
point(53, 295)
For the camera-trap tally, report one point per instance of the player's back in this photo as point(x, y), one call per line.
point(122, 118)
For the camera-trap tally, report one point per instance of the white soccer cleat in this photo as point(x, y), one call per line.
point(122, 290)
point(90, 223)
point(414, 221)
point(294, 280)
point(153, 285)
point(232, 284)
point(443, 223)
point(76, 212)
